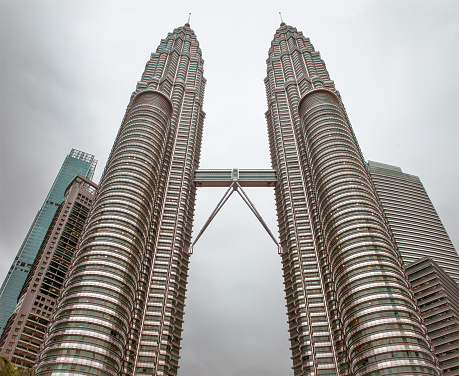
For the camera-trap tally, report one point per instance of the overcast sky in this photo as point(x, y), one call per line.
point(69, 67)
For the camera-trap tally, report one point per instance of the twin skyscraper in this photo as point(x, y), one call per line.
point(351, 310)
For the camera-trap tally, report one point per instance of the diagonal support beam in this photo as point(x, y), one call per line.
point(222, 202)
point(235, 186)
point(254, 210)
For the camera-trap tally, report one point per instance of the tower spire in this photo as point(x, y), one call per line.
point(189, 16)
point(282, 21)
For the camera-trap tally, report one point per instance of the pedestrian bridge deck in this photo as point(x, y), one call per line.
point(245, 178)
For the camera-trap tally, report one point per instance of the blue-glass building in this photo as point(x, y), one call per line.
point(77, 162)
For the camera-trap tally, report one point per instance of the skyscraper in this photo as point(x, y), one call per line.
point(350, 309)
point(25, 329)
point(430, 259)
point(76, 162)
point(417, 229)
point(121, 311)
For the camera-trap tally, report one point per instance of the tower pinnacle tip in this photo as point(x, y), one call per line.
point(282, 21)
point(188, 22)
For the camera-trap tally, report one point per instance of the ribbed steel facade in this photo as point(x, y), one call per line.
point(350, 308)
point(121, 310)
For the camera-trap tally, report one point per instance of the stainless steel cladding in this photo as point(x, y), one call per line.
point(350, 308)
point(121, 310)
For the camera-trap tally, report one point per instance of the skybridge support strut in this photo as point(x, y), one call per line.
point(254, 210)
point(222, 202)
point(235, 179)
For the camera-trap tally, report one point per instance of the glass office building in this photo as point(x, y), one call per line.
point(26, 327)
point(77, 162)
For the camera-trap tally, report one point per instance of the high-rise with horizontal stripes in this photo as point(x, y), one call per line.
point(430, 258)
point(121, 309)
point(417, 229)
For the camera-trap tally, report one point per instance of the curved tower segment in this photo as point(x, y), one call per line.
point(349, 305)
point(121, 310)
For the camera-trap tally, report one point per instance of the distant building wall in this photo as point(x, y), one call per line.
point(77, 162)
point(437, 295)
point(417, 229)
point(25, 329)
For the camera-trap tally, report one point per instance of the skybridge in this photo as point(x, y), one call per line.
point(235, 179)
point(245, 178)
